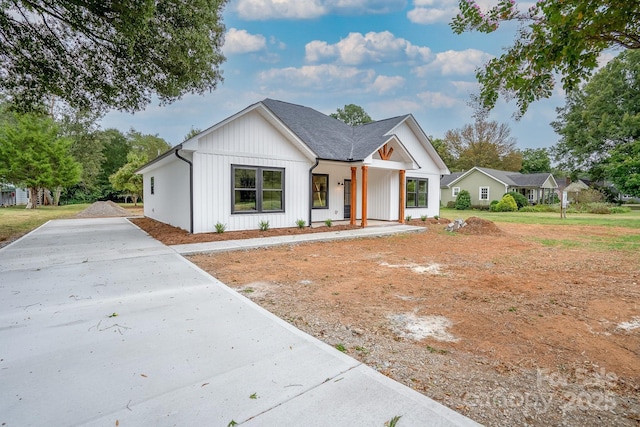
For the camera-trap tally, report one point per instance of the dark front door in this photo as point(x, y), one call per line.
point(347, 198)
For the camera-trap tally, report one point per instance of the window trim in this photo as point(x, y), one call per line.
point(326, 192)
point(455, 193)
point(153, 185)
point(259, 188)
point(417, 193)
point(480, 193)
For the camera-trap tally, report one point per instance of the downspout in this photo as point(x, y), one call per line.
point(311, 189)
point(190, 187)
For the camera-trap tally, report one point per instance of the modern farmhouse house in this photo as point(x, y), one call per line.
point(279, 162)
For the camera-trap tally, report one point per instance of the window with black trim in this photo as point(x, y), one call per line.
point(257, 189)
point(153, 185)
point(320, 186)
point(417, 193)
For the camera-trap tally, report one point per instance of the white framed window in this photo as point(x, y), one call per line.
point(484, 193)
point(455, 191)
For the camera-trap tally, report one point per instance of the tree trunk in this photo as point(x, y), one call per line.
point(33, 198)
point(56, 196)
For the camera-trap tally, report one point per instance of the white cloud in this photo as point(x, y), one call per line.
point(432, 11)
point(323, 77)
point(453, 62)
point(280, 9)
point(240, 41)
point(384, 84)
point(438, 100)
point(310, 9)
point(372, 47)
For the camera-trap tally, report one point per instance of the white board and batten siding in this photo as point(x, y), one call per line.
point(170, 201)
point(428, 169)
point(247, 141)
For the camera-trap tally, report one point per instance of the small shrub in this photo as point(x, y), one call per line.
point(220, 227)
point(493, 206)
point(463, 200)
point(619, 209)
point(507, 204)
point(423, 218)
point(301, 223)
point(328, 222)
point(529, 209)
point(263, 225)
point(436, 217)
point(598, 208)
point(408, 218)
point(521, 201)
point(451, 204)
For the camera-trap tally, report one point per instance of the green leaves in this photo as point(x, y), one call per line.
point(101, 55)
point(33, 154)
point(599, 125)
point(561, 38)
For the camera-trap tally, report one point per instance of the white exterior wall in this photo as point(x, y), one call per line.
point(249, 141)
point(337, 173)
point(170, 201)
point(383, 195)
point(428, 169)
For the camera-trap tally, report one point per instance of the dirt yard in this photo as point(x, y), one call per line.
point(497, 322)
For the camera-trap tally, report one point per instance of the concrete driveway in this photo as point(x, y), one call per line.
point(102, 325)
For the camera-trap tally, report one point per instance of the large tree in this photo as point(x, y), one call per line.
point(599, 126)
point(483, 144)
point(352, 115)
point(96, 54)
point(555, 37)
point(126, 180)
point(535, 160)
point(146, 145)
point(34, 155)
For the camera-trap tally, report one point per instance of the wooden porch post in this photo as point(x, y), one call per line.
point(365, 172)
point(402, 187)
point(354, 199)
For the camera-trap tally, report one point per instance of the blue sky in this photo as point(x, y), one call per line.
point(391, 57)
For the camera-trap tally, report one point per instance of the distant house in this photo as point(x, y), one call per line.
point(485, 185)
point(280, 162)
point(11, 195)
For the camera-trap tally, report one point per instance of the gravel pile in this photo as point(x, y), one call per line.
point(103, 210)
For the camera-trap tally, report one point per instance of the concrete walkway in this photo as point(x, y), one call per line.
point(234, 245)
point(102, 325)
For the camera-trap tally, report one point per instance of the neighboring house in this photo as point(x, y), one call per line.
point(11, 195)
point(280, 162)
point(485, 185)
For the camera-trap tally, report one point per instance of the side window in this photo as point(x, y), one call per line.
point(153, 185)
point(320, 183)
point(257, 189)
point(484, 193)
point(417, 193)
point(455, 192)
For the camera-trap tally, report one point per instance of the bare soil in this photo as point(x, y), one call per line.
point(489, 321)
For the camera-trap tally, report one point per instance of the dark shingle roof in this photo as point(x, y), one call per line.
point(448, 179)
point(329, 138)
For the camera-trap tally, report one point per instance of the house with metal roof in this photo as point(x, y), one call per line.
point(280, 162)
point(485, 185)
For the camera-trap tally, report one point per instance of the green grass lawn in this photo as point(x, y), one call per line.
point(17, 220)
point(629, 220)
